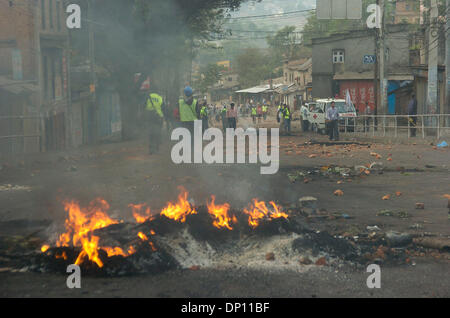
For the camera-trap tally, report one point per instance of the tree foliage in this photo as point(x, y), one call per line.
point(152, 37)
point(284, 43)
point(210, 74)
point(254, 65)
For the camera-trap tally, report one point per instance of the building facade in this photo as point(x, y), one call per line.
point(33, 51)
point(407, 11)
point(347, 61)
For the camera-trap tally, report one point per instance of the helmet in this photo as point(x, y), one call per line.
point(188, 91)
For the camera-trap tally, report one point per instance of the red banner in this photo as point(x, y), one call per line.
point(361, 91)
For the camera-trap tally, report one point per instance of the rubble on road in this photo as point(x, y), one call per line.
point(397, 239)
point(10, 187)
point(439, 243)
point(399, 214)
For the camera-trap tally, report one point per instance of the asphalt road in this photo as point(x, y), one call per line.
point(122, 173)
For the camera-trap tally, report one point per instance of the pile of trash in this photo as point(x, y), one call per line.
point(332, 171)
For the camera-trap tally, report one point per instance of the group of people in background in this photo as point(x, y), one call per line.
point(258, 112)
point(189, 109)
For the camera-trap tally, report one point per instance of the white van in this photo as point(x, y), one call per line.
point(316, 115)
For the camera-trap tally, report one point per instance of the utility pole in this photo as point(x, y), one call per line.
point(375, 71)
point(431, 106)
point(93, 84)
point(383, 88)
point(39, 77)
point(70, 112)
point(446, 109)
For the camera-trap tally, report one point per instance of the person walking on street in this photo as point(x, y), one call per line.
point(223, 115)
point(332, 117)
point(154, 117)
point(265, 110)
point(232, 116)
point(260, 112)
point(254, 113)
point(412, 112)
point(204, 116)
point(287, 116)
point(304, 115)
point(188, 110)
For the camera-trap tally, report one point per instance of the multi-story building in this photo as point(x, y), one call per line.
point(407, 11)
point(297, 81)
point(346, 61)
point(33, 52)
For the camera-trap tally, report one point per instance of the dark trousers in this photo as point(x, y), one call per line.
point(232, 122)
point(155, 136)
point(189, 125)
point(305, 125)
point(224, 123)
point(333, 130)
point(287, 126)
point(205, 124)
point(412, 126)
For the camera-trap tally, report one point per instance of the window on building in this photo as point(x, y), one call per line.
point(43, 24)
point(338, 56)
point(50, 13)
point(52, 74)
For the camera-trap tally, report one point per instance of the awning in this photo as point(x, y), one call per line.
point(402, 77)
point(261, 89)
point(255, 90)
point(369, 76)
point(354, 76)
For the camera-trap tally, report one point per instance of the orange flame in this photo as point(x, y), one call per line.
point(140, 218)
point(220, 213)
point(62, 255)
point(152, 246)
point(180, 210)
point(142, 236)
point(258, 211)
point(82, 222)
point(131, 250)
point(79, 228)
point(114, 251)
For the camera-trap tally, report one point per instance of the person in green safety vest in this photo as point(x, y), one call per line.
point(254, 114)
point(155, 118)
point(286, 111)
point(188, 110)
point(265, 111)
point(223, 115)
point(204, 116)
point(280, 115)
